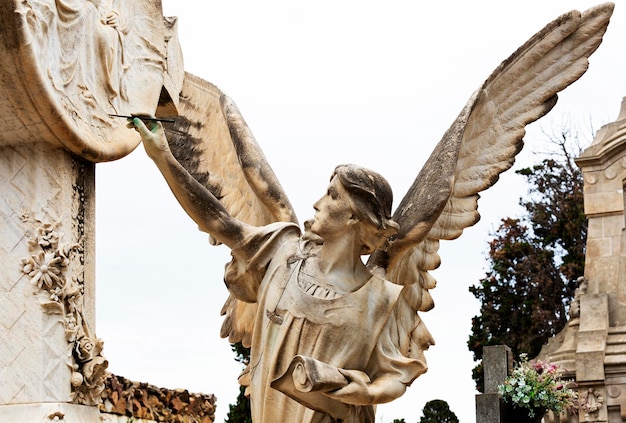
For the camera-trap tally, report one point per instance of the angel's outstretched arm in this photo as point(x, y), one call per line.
point(199, 203)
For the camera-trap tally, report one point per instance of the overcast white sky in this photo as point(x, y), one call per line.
point(320, 84)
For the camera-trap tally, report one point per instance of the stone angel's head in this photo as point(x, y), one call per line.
point(357, 199)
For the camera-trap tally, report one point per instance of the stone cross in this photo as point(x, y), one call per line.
point(65, 68)
point(497, 365)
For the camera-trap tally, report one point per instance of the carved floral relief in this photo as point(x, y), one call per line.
point(591, 402)
point(48, 269)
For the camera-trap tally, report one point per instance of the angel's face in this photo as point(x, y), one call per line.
point(333, 212)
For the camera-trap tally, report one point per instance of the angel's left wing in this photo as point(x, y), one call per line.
point(480, 144)
point(213, 142)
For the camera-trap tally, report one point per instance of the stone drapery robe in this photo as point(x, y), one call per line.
point(295, 316)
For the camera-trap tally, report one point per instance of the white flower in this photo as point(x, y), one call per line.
point(44, 269)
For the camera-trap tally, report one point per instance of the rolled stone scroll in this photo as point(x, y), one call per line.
point(309, 374)
point(307, 379)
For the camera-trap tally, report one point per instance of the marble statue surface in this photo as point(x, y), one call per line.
point(330, 335)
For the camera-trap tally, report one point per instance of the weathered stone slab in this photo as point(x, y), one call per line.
point(48, 412)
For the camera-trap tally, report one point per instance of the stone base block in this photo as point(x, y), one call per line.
point(49, 412)
point(488, 408)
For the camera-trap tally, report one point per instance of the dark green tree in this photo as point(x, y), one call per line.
point(240, 412)
point(438, 411)
point(534, 261)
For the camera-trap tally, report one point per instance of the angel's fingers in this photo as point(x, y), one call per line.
point(141, 127)
point(152, 125)
point(130, 124)
point(355, 375)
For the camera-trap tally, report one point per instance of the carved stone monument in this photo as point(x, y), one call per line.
point(330, 337)
point(65, 67)
point(593, 344)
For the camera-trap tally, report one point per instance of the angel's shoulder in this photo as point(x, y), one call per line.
point(384, 288)
point(277, 232)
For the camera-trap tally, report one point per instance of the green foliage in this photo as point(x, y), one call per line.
point(240, 411)
point(534, 262)
point(556, 212)
point(242, 354)
point(438, 411)
point(398, 421)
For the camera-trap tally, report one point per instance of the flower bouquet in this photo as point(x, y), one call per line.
point(537, 385)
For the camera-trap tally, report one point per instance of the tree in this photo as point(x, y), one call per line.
point(240, 412)
point(438, 411)
point(534, 261)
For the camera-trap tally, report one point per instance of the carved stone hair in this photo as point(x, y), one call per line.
point(372, 197)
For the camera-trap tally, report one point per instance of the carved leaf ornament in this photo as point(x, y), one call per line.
point(47, 268)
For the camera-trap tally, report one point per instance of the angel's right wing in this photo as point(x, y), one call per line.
point(213, 143)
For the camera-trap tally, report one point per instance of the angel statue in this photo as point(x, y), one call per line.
point(330, 335)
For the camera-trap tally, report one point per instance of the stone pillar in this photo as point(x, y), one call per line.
point(604, 171)
point(497, 365)
point(591, 353)
point(592, 347)
point(600, 356)
point(46, 212)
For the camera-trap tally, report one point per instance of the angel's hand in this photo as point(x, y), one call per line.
point(357, 390)
point(112, 19)
point(152, 136)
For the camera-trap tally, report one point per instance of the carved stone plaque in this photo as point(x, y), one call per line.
point(67, 65)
